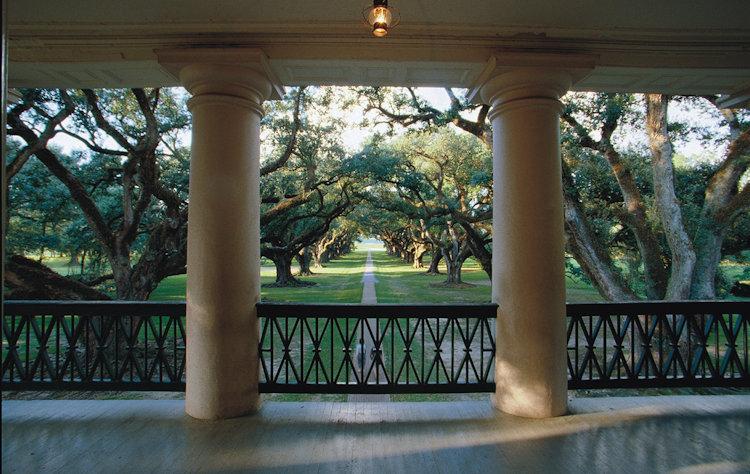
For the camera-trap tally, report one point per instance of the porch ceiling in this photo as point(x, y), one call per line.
point(669, 46)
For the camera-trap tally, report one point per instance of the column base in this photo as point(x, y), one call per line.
point(200, 410)
point(521, 404)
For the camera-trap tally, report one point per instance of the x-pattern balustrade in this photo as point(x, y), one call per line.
point(658, 344)
point(93, 346)
point(414, 348)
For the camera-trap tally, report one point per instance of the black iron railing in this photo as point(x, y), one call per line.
point(409, 348)
point(425, 348)
point(78, 345)
point(658, 344)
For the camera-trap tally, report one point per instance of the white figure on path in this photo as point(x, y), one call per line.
point(359, 354)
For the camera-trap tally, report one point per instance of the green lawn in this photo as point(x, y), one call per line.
point(340, 282)
point(60, 264)
point(170, 289)
point(400, 283)
point(577, 291)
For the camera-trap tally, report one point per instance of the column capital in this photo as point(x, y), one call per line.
point(511, 76)
point(237, 72)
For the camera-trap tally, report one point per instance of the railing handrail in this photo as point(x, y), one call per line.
point(661, 306)
point(270, 305)
point(380, 310)
point(114, 307)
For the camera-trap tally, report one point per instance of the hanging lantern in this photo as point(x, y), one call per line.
point(380, 17)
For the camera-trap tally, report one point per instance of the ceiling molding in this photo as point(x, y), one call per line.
point(704, 47)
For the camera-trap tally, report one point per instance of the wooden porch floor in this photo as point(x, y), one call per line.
point(637, 434)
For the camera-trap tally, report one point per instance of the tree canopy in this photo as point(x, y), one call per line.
point(637, 226)
point(126, 187)
point(641, 219)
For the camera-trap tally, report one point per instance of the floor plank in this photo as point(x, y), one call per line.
point(639, 434)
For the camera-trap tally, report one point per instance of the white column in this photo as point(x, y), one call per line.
point(528, 271)
point(223, 261)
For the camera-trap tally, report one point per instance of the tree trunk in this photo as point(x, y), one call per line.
point(122, 271)
point(419, 250)
point(304, 257)
point(588, 250)
point(435, 256)
point(478, 249)
point(634, 209)
point(319, 250)
point(317, 260)
point(282, 260)
point(670, 211)
point(30, 280)
point(44, 233)
point(706, 264)
point(454, 262)
point(164, 254)
point(454, 254)
point(723, 204)
point(284, 277)
point(635, 218)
